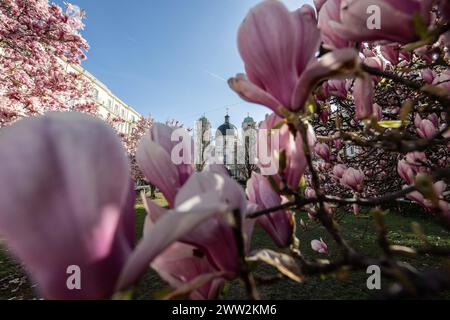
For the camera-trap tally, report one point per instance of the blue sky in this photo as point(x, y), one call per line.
point(170, 58)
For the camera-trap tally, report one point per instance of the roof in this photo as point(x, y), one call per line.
point(226, 128)
point(249, 120)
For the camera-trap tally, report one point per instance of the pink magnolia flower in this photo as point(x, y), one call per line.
point(323, 151)
point(397, 19)
point(391, 53)
point(181, 263)
point(419, 198)
point(280, 224)
point(424, 53)
point(278, 48)
point(295, 156)
point(406, 171)
point(338, 88)
point(369, 53)
point(338, 144)
point(319, 246)
point(66, 200)
point(323, 166)
point(442, 80)
point(339, 170)
point(416, 158)
point(439, 189)
point(377, 111)
point(353, 179)
point(215, 237)
point(330, 12)
point(324, 115)
point(363, 91)
point(200, 218)
point(425, 128)
point(406, 56)
point(310, 193)
point(319, 3)
point(154, 157)
point(433, 117)
point(428, 75)
point(375, 62)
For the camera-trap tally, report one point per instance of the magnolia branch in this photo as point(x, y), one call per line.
point(409, 83)
point(301, 201)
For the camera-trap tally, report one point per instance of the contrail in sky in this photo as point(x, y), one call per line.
point(216, 76)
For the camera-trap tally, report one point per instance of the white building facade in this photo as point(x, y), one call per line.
point(109, 105)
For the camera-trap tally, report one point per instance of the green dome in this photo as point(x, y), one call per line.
point(249, 120)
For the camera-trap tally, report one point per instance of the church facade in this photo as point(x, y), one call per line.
point(229, 145)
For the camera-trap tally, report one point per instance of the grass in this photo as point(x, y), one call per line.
point(359, 231)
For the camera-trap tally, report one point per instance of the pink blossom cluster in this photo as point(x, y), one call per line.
point(37, 42)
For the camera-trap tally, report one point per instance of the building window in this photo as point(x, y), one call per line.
point(116, 109)
point(95, 93)
point(109, 104)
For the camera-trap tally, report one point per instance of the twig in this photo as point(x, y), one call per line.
point(246, 275)
point(409, 83)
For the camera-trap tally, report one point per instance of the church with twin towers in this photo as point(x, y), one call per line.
point(229, 145)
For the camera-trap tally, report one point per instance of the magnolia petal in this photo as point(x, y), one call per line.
point(319, 246)
point(279, 225)
point(363, 96)
point(396, 23)
point(61, 206)
point(308, 36)
point(184, 267)
point(265, 41)
point(157, 166)
point(336, 64)
point(215, 237)
point(215, 188)
point(217, 168)
point(296, 163)
point(319, 4)
point(391, 53)
point(171, 227)
point(162, 134)
point(328, 15)
point(252, 93)
point(154, 212)
point(128, 220)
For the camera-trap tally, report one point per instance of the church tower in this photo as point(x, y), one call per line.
point(226, 145)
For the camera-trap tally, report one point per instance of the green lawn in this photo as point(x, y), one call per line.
point(359, 231)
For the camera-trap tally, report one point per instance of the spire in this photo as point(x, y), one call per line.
point(227, 117)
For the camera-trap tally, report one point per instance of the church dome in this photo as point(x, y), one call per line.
point(248, 123)
point(249, 120)
point(226, 128)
